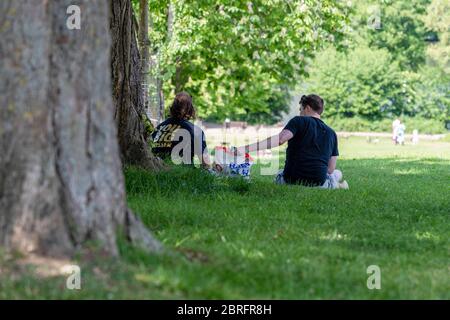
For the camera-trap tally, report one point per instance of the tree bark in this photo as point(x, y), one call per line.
point(170, 21)
point(61, 181)
point(159, 81)
point(153, 106)
point(144, 48)
point(127, 88)
point(161, 99)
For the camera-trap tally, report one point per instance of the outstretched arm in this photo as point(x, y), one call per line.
point(205, 159)
point(268, 143)
point(206, 162)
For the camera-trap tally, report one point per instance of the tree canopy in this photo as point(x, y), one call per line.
point(240, 57)
point(244, 59)
point(395, 63)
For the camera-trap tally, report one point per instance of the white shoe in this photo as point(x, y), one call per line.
point(343, 185)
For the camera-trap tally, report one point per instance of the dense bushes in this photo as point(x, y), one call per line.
point(364, 82)
point(385, 71)
point(425, 126)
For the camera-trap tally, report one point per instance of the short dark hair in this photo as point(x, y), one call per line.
point(314, 101)
point(182, 107)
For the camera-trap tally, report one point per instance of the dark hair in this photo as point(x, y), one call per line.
point(182, 107)
point(314, 101)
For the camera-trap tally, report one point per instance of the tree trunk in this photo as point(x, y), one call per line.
point(61, 181)
point(153, 106)
point(170, 21)
point(144, 48)
point(127, 88)
point(159, 81)
point(161, 106)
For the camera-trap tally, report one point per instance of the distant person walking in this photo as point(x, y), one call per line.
point(401, 134)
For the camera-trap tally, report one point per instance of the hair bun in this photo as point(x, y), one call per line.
point(303, 99)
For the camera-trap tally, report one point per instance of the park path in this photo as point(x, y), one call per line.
point(252, 132)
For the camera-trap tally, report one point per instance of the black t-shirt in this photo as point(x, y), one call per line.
point(309, 151)
point(179, 134)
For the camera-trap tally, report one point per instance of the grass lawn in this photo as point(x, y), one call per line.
point(233, 239)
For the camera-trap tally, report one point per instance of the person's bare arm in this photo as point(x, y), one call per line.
point(205, 159)
point(332, 164)
point(268, 143)
point(206, 162)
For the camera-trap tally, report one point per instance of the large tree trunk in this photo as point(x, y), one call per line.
point(61, 181)
point(127, 88)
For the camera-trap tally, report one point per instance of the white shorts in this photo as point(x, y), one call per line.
point(331, 182)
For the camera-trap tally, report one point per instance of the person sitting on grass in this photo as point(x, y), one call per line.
point(179, 139)
point(312, 149)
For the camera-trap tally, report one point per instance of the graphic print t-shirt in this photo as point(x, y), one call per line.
point(309, 151)
point(186, 138)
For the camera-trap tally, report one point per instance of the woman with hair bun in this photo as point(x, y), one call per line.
point(179, 139)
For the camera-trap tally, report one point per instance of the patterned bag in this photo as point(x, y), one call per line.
point(233, 165)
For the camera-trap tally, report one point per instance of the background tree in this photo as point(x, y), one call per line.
point(396, 67)
point(128, 89)
point(144, 44)
point(363, 81)
point(437, 20)
point(238, 57)
point(434, 81)
point(402, 31)
point(61, 182)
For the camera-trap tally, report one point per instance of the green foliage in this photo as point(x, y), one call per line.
point(362, 82)
point(432, 93)
point(401, 31)
point(149, 127)
point(242, 59)
point(271, 112)
point(383, 73)
point(234, 56)
point(438, 21)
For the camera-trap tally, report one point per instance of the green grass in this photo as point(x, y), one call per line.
point(233, 239)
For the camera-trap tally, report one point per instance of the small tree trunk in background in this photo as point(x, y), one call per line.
point(170, 20)
point(152, 80)
point(61, 181)
point(127, 88)
point(153, 90)
point(161, 102)
point(178, 80)
point(159, 81)
point(144, 49)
